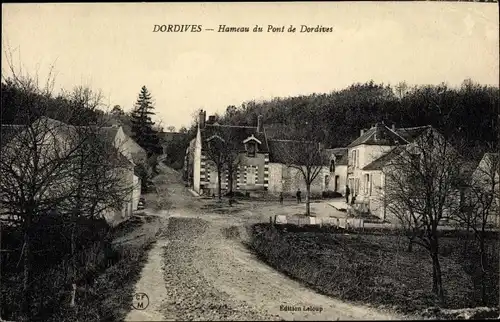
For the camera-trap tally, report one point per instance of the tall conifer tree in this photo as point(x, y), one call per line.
point(142, 125)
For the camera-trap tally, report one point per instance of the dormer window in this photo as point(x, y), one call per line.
point(251, 145)
point(251, 148)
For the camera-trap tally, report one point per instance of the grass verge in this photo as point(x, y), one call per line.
point(372, 269)
point(106, 295)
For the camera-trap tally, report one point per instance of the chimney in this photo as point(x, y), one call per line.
point(211, 119)
point(201, 121)
point(259, 124)
point(361, 132)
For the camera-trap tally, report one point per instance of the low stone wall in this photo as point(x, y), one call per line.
point(324, 221)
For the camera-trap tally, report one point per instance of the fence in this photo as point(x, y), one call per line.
point(326, 221)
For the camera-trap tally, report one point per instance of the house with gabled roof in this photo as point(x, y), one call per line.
point(249, 142)
point(58, 135)
point(262, 165)
point(369, 155)
point(485, 178)
point(284, 173)
point(337, 166)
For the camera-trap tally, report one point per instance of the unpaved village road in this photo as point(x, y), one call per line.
point(197, 271)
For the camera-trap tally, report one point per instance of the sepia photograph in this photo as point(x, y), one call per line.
point(250, 161)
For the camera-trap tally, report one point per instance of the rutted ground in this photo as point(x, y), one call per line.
point(207, 273)
point(191, 294)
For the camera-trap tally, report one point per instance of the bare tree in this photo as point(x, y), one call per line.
point(171, 128)
point(308, 158)
point(480, 205)
point(222, 152)
point(49, 165)
point(422, 190)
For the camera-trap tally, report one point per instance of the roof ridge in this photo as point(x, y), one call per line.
point(12, 125)
point(235, 126)
point(286, 140)
point(395, 133)
point(413, 127)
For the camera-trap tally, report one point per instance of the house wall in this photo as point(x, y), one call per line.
point(287, 180)
point(136, 192)
point(367, 154)
point(122, 143)
point(484, 177)
point(257, 166)
point(197, 163)
point(341, 172)
point(355, 175)
point(275, 177)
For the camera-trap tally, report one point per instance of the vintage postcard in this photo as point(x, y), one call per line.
point(250, 161)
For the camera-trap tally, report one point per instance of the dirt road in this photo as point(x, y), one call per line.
point(201, 270)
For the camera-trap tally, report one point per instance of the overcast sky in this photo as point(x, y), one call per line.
point(112, 47)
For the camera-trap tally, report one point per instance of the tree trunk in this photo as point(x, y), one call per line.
point(467, 231)
point(73, 264)
point(308, 201)
point(27, 299)
point(230, 181)
point(410, 245)
point(437, 282)
point(484, 263)
point(219, 179)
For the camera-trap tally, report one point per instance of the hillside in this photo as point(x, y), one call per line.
point(467, 114)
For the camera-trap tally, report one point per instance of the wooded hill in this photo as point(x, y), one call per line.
point(468, 113)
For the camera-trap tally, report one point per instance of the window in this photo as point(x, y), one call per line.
point(327, 181)
point(251, 175)
point(332, 165)
point(353, 157)
point(367, 183)
point(251, 149)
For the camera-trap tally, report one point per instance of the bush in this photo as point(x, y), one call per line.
point(331, 194)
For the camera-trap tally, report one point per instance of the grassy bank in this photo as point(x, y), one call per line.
point(107, 296)
point(107, 272)
point(373, 268)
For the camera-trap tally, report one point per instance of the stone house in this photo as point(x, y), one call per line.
point(261, 167)
point(289, 179)
point(336, 180)
point(58, 138)
point(486, 179)
point(370, 156)
point(248, 142)
point(134, 154)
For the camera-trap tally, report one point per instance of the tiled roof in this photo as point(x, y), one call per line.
point(170, 136)
point(340, 155)
point(237, 135)
point(275, 130)
point(106, 133)
point(379, 163)
point(109, 133)
point(493, 159)
point(411, 133)
point(379, 135)
point(278, 150)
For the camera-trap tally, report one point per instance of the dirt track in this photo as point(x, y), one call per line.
point(201, 270)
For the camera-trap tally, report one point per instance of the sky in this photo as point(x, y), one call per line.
point(112, 47)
